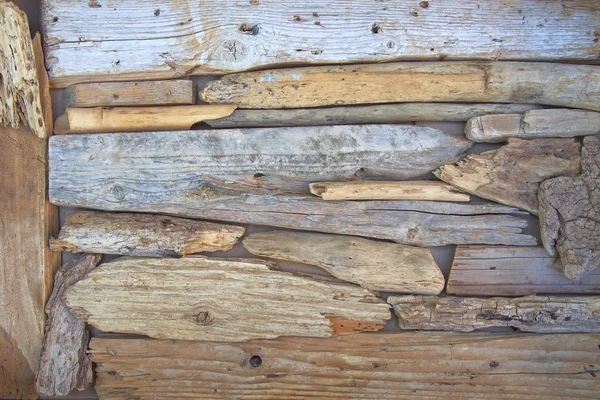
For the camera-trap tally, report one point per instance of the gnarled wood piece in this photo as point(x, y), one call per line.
point(373, 265)
point(570, 214)
point(64, 364)
point(548, 314)
point(143, 235)
point(512, 174)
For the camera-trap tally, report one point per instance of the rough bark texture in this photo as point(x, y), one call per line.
point(576, 86)
point(533, 124)
point(569, 214)
point(375, 114)
point(549, 314)
point(64, 364)
point(512, 271)
point(424, 365)
point(512, 174)
point(200, 298)
point(142, 235)
point(374, 265)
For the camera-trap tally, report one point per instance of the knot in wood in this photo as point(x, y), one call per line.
point(118, 192)
point(204, 318)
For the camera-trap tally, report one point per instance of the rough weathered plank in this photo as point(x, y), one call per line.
point(569, 210)
point(547, 314)
point(375, 114)
point(388, 267)
point(512, 271)
point(143, 93)
point(512, 174)
point(388, 190)
point(576, 86)
point(64, 364)
point(158, 38)
point(142, 235)
point(533, 124)
point(199, 298)
point(409, 365)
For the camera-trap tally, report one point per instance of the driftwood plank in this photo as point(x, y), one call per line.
point(576, 86)
point(143, 93)
point(373, 265)
point(512, 271)
point(512, 174)
point(533, 124)
point(142, 235)
point(375, 114)
point(547, 314)
point(569, 210)
point(199, 298)
point(64, 364)
point(424, 365)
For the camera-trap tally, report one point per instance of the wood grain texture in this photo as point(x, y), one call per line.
point(513, 271)
point(142, 235)
point(576, 86)
point(374, 114)
point(199, 298)
point(546, 314)
point(143, 93)
point(161, 38)
point(64, 364)
point(374, 265)
point(512, 174)
point(424, 365)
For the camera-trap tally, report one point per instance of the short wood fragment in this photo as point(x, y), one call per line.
point(388, 190)
point(142, 235)
point(199, 298)
point(546, 314)
point(371, 264)
point(512, 174)
point(569, 210)
point(513, 271)
point(64, 364)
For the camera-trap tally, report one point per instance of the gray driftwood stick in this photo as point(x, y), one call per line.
point(142, 235)
point(374, 265)
point(545, 314)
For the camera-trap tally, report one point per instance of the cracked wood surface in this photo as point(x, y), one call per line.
point(512, 174)
point(374, 265)
point(546, 314)
point(198, 298)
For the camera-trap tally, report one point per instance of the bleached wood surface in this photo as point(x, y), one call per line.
point(513, 271)
point(546, 314)
point(199, 298)
point(567, 85)
point(424, 365)
point(371, 264)
point(142, 235)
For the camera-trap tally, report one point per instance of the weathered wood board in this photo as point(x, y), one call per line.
point(513, 271)
point(546, 314)
point(424, 365)
point(567, 85)
point(374, 265)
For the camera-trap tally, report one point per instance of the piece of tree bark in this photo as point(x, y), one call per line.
point(512, 174)
point(569, 210)
point(158, 38)
point(375, 114)
point(64, 364)
point(388, 190)
point(533, 124)
point(512, 271)
point(143, 93)
point(198, 298)
point(546, 314)
point(374, 265)
point(408, 365)
point(142, 235)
